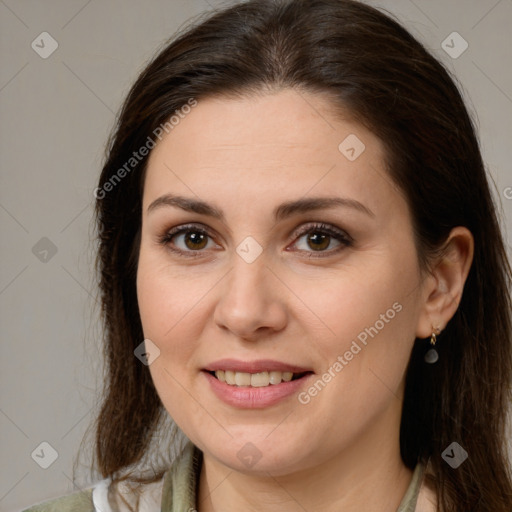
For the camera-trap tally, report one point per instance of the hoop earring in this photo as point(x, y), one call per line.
point(432, 356)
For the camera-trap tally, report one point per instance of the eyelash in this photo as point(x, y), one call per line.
point(342, 237)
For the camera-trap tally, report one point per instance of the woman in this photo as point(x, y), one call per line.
point(301, 265)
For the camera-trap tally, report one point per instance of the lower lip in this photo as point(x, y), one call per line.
point(246, 397)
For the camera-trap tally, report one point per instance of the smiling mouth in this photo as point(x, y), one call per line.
point(256, 380)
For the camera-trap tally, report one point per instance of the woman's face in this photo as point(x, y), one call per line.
point(264, 272)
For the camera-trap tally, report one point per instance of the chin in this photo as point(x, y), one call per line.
point(256, 455)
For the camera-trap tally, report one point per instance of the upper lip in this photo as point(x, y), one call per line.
point(258, 366)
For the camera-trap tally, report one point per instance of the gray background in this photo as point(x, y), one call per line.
point(56, 114)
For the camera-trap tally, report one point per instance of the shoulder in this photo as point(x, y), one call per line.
point(78, 502)
point(176, 488)
point(420, 496)
point(427, 499)
point(104, 497)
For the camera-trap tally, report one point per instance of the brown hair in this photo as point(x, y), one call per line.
point(370, 65)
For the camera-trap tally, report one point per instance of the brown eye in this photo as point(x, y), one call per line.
point(318, 241)
point(188, 240)
point(195, 240)
point(322, 239)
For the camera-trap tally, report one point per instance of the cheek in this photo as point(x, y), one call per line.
point(371, 317)
point(167, 296)
point(350, 301)
point(170, 310)
point(164, 305)
point(369, 314)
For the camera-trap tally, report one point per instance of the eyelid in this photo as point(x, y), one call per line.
point(166, 237)
point(322, 226)
point(343, 238)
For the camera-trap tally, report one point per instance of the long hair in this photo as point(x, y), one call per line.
point(368, 64)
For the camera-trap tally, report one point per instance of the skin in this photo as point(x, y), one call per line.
point(294, 304)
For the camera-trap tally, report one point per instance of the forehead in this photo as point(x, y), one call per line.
point(285, 143)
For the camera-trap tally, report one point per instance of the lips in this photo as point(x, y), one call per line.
point(262, 365)
point(255, 384)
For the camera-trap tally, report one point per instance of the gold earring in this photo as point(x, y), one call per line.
point(432, 356)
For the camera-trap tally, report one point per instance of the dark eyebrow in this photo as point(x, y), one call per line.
point(282, 211)
point(187, 204)
point(318, 203)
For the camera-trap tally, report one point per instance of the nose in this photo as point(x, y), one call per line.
point(252, 301)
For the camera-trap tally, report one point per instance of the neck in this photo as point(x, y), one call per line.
point(369, 475)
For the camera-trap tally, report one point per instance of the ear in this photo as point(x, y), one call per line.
point(443, 287)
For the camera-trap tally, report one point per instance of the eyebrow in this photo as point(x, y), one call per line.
point(283, 211)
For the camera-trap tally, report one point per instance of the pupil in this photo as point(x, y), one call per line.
point(194, 239)
point(320, 241)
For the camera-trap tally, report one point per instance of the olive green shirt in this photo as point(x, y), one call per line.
point(179, 489)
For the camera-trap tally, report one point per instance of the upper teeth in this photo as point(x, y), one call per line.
point(256, 380)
